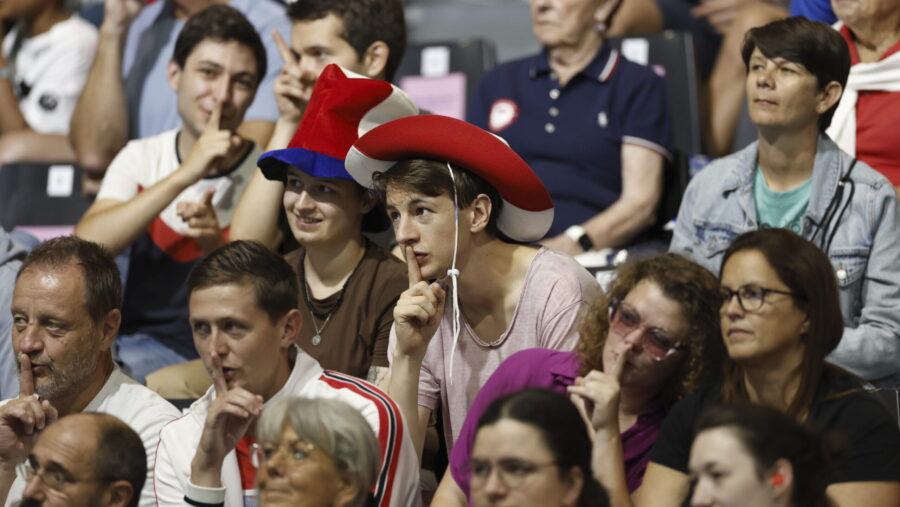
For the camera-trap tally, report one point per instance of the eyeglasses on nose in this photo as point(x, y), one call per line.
point(751, 296)
point(625, 319)
point(511, 471)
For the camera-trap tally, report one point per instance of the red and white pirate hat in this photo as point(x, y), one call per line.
point(343, 106)
point(527, 210)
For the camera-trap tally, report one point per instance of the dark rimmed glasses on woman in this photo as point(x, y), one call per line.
point(624, 319)
point(511, 471)
point(751, 296)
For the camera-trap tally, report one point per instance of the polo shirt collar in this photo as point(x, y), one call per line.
point(601, 67)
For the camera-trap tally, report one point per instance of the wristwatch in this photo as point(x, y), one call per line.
point(578, 235)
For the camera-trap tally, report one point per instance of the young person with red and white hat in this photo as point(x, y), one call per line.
point(348, 285)
point(452, 192)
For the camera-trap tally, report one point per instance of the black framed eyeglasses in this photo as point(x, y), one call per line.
point(624, 319)
point(751, 296)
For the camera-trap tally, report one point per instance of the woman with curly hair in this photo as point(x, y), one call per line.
point(655, 332)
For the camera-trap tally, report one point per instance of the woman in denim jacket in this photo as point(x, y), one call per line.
point(795, 177)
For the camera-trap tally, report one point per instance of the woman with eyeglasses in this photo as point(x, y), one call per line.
point(315, 452)
point(780, 318)
point(533, 448)
point(655, 333)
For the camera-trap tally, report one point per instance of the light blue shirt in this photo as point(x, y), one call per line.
point(782, 210)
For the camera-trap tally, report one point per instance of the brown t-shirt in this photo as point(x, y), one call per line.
point(356, 337)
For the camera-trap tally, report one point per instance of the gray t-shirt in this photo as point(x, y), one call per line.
point(556, 293)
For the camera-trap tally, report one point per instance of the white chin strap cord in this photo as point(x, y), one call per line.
point(453, 273)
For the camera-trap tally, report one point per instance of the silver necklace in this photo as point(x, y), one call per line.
point(317, 339)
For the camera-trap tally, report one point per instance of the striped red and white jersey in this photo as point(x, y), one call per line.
point(398, 479)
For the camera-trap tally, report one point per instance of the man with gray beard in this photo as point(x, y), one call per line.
point(66, 311)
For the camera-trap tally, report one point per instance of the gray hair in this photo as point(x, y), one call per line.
point(336, 428)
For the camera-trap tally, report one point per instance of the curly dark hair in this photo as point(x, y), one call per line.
point(694, 288)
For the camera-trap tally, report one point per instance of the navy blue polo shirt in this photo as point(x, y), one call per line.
point(572, 135)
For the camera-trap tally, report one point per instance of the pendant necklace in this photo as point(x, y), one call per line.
point(326, 315)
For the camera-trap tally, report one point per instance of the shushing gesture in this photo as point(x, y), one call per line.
point(202, 223)
point(597, 396)
point(230, 416)
point(291, 92)
point(214, 147)
point(23, 419)
point(418, 312)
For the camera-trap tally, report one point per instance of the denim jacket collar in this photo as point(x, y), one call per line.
point(827, 171)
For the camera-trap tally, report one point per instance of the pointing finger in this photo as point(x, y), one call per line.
point(617, 367)
point(208, 196)
point(218, 378)
point(214, 116)
point(286, 56)
point(415, 274)
point(26, 380)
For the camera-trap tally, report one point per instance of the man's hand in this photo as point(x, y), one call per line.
point(720, 13)
point(23, 419)
point(211, 149)
point(418, 311)
point(562, 243)
point(229, 417)
point(118, 14)
point(596, 395)
point(201, 221)
point(291, 94)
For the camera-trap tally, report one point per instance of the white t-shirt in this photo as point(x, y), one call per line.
point(556, 293)
point(51, 69)
point(397, 482)
point(140, 408)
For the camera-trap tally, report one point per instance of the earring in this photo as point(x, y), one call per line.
point(600, 27)
point(778, 480)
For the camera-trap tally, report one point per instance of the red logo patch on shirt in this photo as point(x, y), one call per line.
point(503, 114)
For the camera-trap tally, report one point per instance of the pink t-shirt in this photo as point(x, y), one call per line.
point(556, 293)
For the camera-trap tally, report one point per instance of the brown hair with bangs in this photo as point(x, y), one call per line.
point(694, 288)
point(431, 178)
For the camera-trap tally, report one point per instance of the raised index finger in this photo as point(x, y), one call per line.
point(619, 365)
point(213, 123)
point(415, 274)
point(286, 55)
point(26, 380)
point(218, 378)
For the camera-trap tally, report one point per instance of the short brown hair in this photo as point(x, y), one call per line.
point(432, 178)
point(102, 281)
point(222, 23)
point(694, 288)
point(808, 273)
point(365, 22)
point(274, 281)
point(816, 46)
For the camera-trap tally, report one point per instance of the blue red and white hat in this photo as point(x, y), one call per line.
point(527, 211)
point(344, 105)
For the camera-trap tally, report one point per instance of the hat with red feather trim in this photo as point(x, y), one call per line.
point(343, 106)
point(527, 210)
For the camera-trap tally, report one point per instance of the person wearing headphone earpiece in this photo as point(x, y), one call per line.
point(794, 176)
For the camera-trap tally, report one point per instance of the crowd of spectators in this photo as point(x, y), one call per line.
point(245, 158)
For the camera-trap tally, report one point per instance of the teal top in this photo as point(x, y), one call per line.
point(784, 210)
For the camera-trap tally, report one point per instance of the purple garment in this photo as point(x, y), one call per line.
point(554, 370)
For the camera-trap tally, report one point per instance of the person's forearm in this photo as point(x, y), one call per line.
point(206, 472)
point(256, 215)
point(617, 225)
point(99, 127)
point(30, 146)
point(11, 118)
point(404, 390)
point(7, 477)
point(117, 226)
point(608, 466)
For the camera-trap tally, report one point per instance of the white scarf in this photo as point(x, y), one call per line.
point(883, 75)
